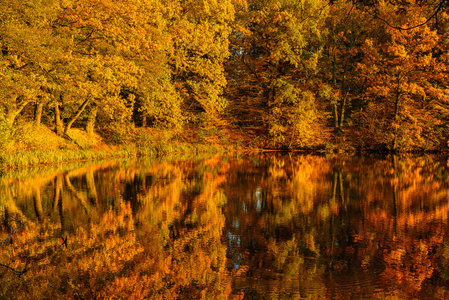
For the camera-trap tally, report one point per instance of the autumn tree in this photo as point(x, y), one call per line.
point(199, 32)
point(87, 55)
point(275, 50)
point(27, 54)
point(142, 36)
point(347, 27)
point(406, 87)
point(97, 70)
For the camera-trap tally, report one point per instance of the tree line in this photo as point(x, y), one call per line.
point(291, 68)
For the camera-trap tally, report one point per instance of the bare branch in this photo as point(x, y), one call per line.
point(4, 241)
point(21, 226)
point(437, 10)
point(14, 270)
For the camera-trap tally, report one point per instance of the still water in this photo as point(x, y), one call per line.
point(241, 226)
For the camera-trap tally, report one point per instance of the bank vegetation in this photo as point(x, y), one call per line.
point(125, 77)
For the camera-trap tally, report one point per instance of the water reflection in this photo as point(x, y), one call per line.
point(263, 226)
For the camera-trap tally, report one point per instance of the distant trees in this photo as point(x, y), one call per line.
point(291, 62)
point(275, 50)
point(346, 32)
point(406, 88)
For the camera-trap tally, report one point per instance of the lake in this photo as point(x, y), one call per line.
point(237, 226)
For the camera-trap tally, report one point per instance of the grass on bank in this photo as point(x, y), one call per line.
point(41, 157)
point(30, 145)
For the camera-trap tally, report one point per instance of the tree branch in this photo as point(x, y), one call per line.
point(4, 241)
point(78, 113)
point(437, 10)
point(14, 270)
point(21, 226)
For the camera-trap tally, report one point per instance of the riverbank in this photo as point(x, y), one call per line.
point(31, 145)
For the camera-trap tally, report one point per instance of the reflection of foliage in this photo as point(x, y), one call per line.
point(190, 229)
point(266, 224)
point(308, 217)
point(8, 238)
point(94, 255)
point(174, 251)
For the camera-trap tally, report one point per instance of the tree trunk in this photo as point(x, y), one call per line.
point(395, 119)
point(58, 121)
point(335, 113)
point(75, 117)
point(38, 113)
point(342, 114)
point(10, 118)
point(144, 119)
point(38, 203)
point(13, 111)
point(342, 111)
point(334, 85)
point(91, 188)
point(345, 94)
point(90, 125)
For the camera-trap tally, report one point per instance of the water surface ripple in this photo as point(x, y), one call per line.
point(241, 226)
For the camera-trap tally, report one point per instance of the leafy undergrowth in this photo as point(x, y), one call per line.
point(86, 140)
point(38, 145)
point(30, 137)
point(151, 141)
point(32, 145)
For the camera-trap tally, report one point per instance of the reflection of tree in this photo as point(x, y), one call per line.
point(274, 246)
point(57, 200)
point(78, 195)
point(339, 219)
point(272, 225)
point(92, 190)
point(177, 251)
point(37, 201)
point(189, 220)
point(413, 223)
point(401, 228)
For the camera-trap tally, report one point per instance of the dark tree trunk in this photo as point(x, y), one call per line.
point(334, 86)
point(38, 203)
point(396, 117)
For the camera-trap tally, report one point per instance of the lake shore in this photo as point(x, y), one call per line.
point(34, 146)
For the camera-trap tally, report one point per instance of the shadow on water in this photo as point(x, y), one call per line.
point(242, 226)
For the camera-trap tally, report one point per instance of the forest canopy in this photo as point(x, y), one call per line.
point(290, 73)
